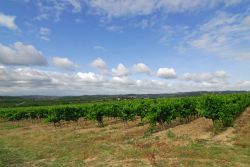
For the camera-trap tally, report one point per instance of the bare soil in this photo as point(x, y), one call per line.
point(118, 144)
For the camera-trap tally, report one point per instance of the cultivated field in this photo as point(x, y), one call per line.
point(187, 139)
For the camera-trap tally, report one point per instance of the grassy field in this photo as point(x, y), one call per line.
point(29, 143)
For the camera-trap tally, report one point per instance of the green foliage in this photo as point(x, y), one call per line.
point(224, 108)
point(219, 108)
point(213, 105)
point(127, 112)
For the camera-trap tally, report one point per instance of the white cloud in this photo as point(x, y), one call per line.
point(141, 68)
point(147, 22)
point(174, 34)
point(206, 77)
point(221, 19)
point(8, 21)
point(20, 81)
point(21, 54)
point(76, 4)
point(122, 80)
point(120, 70)
point(166, 73)
point(115, 28)
point(90, 77)
point(53, 9)
point(220, 74)
point(245, 84)
point(121, 8)
point(118, 8)
point(26, 81)
point(99, 64)
point(246, 21)
point(99, 47)
point(64, 63)
point(25, 76)
point(44, 33)
point(232, 2)
point(153, 84)
point(224, 35)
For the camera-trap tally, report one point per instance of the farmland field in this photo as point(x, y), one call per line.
point(206, 130)
point(124, 83)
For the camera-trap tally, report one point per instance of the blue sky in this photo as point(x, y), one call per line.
point(76, 47)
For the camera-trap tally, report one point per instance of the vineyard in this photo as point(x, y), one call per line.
point(222, 109)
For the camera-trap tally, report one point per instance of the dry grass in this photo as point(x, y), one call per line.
point(27, 143)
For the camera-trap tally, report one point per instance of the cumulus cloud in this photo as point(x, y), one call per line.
point(153, 84)
point(206, 77)
point(166, 73)
point(26, 81)
point(90, 77)
point(99, 64)
point(44, 33)
point(121, 70)
point(245, 85)
point(122, 80)
point(8, 21)
point(21, 54)
point(64, 63)
point(16, 81)
point(19, 81)
point(141, 68)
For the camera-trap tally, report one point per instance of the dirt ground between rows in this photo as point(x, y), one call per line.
point(202, 129)
point(118, 144)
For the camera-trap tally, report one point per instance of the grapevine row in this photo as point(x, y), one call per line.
point(223, 108)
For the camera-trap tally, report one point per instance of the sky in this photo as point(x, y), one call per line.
point(87, 47)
